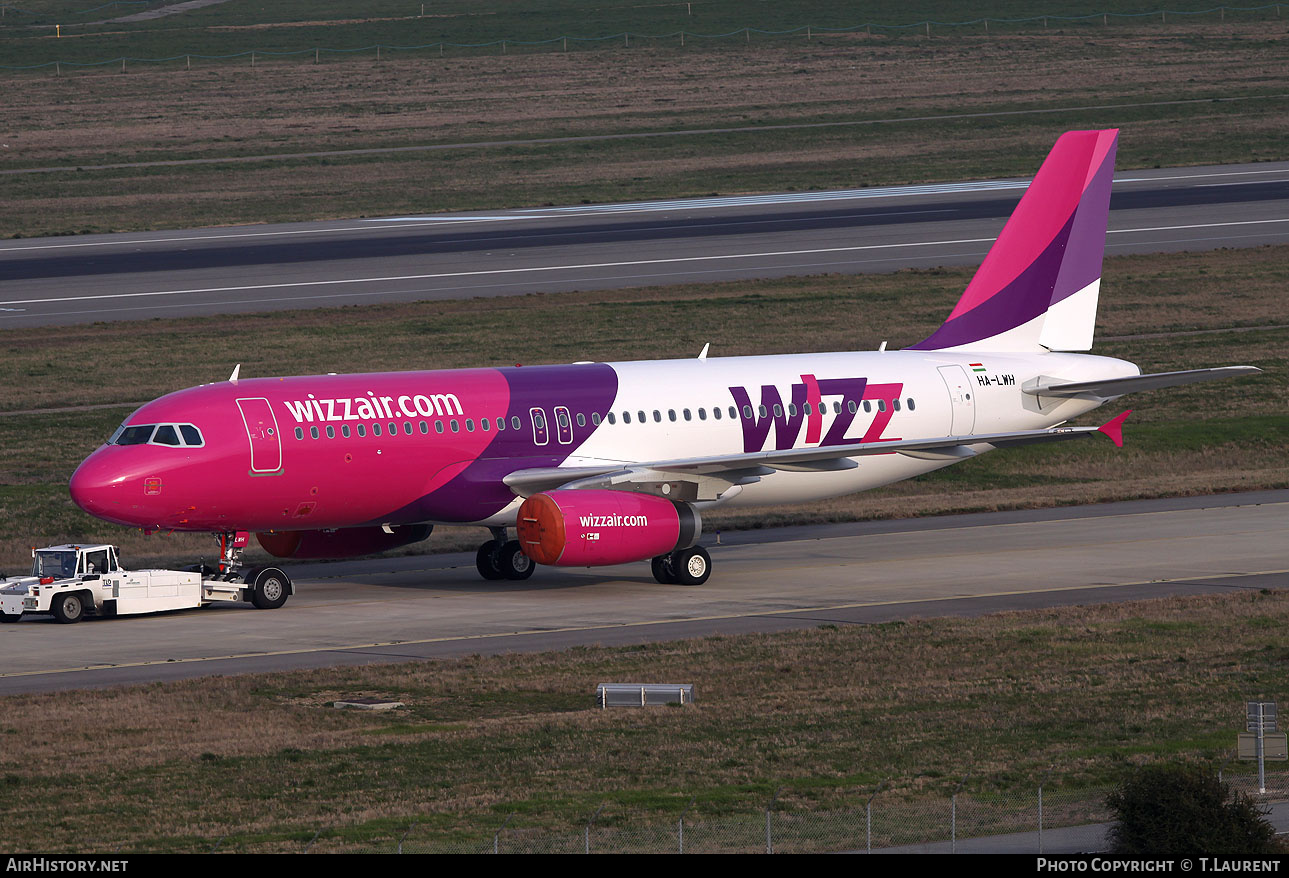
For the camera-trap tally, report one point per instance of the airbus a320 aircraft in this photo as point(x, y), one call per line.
point(606, 463)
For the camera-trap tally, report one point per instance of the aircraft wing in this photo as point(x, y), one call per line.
point(705, 478)
point(1111, 387)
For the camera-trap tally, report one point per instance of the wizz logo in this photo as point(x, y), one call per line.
point(809, 404)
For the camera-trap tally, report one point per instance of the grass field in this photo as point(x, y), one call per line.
point(1203, 438)
point(94, 32)
point(823, 717)
point(893, 107)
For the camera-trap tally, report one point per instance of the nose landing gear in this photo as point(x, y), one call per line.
point(267, 587)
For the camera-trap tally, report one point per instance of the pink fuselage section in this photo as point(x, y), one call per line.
point(334, 451)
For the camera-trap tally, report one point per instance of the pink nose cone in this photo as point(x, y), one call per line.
point(96, 487)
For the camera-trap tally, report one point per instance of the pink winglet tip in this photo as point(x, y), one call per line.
point(1114, 428)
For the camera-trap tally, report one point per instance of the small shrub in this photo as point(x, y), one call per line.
point(1178, 810)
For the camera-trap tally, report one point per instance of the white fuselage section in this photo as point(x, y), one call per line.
point(695, 408)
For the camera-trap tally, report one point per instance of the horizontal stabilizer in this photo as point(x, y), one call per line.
point(1108, 388)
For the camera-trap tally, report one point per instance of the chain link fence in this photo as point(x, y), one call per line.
point(1033, 820)
point(1025, 821)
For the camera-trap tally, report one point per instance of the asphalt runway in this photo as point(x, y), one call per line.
point(401, 609)
point(53, 281)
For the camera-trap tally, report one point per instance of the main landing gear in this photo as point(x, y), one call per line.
point(689, 566)
point(500, 558)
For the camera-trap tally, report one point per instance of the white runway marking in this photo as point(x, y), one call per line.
point(587, 265)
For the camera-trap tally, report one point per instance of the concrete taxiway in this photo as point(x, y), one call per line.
point(399, 609)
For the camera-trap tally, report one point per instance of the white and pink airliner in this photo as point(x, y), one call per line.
point(606, 463)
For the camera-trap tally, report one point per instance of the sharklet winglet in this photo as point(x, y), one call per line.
point(1114, 428)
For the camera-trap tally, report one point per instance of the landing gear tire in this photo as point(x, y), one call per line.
point(69, 608)
point(663, 571)
point(270, 587)
point(10, 617)
point(488, 560)
point(513, 563)
point(692, 566)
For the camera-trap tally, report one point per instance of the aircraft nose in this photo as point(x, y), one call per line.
point(96, 486)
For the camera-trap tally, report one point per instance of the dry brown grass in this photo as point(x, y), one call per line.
point(216, 111)
point(220, 110)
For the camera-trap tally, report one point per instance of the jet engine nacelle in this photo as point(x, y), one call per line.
point(595, 528)
point(349, 542)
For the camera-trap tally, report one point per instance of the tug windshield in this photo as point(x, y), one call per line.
point(61, 565)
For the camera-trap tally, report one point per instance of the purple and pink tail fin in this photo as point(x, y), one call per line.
point(1037, 288)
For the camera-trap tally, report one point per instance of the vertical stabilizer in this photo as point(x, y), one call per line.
point(1037, 288)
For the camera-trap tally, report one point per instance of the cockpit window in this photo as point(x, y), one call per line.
point(166, 435)
point(154, 434)
point(135, 435)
